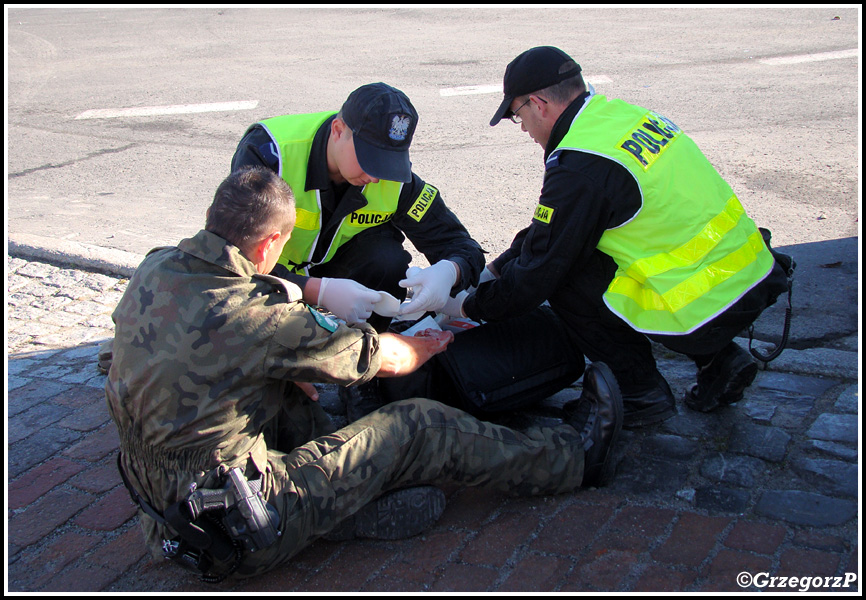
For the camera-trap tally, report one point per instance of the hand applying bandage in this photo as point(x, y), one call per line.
point(454, 306)
point(432, 287)
point(347, 299)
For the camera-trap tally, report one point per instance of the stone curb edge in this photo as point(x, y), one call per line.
point(823, 362)
point(75, 254)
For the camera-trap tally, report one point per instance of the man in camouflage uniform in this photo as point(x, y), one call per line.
point(210, 356)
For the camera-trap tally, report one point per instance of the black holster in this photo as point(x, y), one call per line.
point(214, 525)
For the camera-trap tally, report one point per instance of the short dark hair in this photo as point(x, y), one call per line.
point(250, 204)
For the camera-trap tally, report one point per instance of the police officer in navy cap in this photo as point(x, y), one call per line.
point(635, 237)
point(357, 200)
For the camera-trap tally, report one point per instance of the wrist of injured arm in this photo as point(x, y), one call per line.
point(401, 355)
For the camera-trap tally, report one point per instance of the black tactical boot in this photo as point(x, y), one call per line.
point(598, 416)
point(393, 516)
point(723, 380)
point(361, 400)
point(653, 404)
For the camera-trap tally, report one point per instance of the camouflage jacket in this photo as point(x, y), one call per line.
point(204, 354)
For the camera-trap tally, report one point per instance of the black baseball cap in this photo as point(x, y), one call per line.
point(534, 70)
point(383, 122)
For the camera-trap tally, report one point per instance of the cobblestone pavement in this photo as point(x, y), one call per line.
point(703, 502)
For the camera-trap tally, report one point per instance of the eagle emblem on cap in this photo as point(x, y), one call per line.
point(399, 127)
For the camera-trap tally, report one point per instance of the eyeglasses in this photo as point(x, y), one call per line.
point(515, 118)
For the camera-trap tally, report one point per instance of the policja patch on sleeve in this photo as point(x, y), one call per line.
point(543, 214)
point(423, 202)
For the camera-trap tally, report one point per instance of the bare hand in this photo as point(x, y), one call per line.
point(402, 355)
point(309, 390)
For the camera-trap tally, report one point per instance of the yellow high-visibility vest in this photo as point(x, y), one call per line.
point(691, 251)
point(293, 137)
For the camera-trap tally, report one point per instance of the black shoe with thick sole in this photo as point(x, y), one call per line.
point(598, 416)
point(723, 380)
point(651, 406)
point(396, 515)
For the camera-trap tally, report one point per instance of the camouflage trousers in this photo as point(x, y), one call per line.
point(406, 443)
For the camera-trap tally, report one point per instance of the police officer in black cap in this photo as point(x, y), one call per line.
point(635, 237)
point(357, 200)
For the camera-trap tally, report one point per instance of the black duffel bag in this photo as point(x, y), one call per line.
point(498, 366)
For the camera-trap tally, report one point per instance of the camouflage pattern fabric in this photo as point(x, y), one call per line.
point(411, 442)
point(204, 356)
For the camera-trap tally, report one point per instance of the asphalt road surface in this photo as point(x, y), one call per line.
point(771, 95)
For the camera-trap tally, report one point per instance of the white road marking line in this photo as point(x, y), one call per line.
point(599, 79)
point(177, 109)
point(466, 90)
point(790, 60)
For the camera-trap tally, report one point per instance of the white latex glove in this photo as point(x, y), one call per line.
point(454, 306)
point(347, 299)
point(432, 287)
point(486, 275)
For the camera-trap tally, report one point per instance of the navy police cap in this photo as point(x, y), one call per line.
point(383, 122)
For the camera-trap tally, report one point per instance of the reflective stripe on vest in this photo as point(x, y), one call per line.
point(293, 136)
point(691, 251)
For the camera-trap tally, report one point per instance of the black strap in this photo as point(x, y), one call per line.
point(786, 329)
point(788, 264)
point(298, 267)
point(136, 498)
